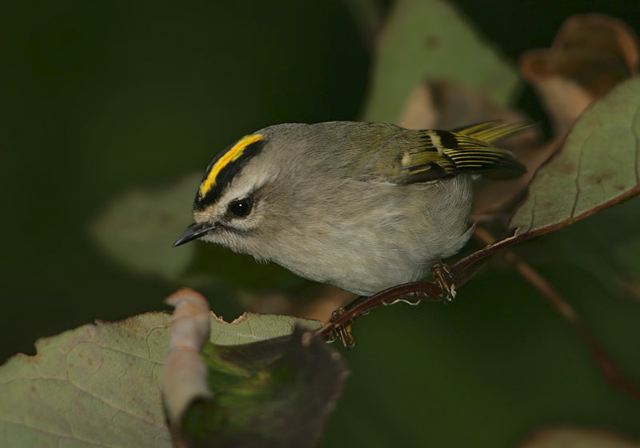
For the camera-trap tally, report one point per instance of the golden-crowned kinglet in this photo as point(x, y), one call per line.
point(363, 206)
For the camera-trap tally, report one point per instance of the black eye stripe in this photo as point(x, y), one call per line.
point(226, 175)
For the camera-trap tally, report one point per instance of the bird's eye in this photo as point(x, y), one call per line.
point(240, 207)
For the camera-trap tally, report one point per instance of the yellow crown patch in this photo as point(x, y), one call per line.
point(231, 155)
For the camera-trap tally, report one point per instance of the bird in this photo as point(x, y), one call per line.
point(361, 206)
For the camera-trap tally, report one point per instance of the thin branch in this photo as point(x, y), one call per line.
point(339, 327)
point(411, 293)
point(561, 306)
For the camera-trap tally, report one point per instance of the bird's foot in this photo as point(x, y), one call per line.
point(342, 332)
point(443, 278)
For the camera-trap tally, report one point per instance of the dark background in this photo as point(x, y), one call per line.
point(100, 97)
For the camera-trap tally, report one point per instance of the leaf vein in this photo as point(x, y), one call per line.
point(579, 173)
point(636, 137)
point(61, 436)
point(81, 389)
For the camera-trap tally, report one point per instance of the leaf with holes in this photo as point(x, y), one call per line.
point(98, 385)
point(272, 393)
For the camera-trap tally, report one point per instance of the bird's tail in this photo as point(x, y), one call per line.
point(469, 150)
point(472, 148)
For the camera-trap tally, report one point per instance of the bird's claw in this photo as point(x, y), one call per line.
point(444, 279)
point(342, 332)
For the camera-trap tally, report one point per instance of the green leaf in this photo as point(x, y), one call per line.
point(138, 229)
point(606, 247)
point(251, 327)
point(98, 385)
point(430, 39)
point(95, 385)
point(274, 393)
point(598, 167)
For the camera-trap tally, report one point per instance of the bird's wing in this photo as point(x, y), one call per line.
point(408, 156)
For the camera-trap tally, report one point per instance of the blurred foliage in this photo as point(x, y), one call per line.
point(430, 39)
point(567, 436)
point(130, 228)
point(104, 97)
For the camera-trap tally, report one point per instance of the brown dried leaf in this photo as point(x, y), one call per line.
point(184, 376)
point(419, 110)
point(443, 104)
point(589, 56)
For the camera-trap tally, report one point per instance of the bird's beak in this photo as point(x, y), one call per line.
point(194, 231)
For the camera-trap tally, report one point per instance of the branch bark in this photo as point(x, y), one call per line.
point(339, 327)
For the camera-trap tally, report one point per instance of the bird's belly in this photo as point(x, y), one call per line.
point(363, 267)
point(384, 242)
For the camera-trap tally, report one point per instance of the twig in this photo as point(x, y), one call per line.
point(339, 327)
point(413, 293)
point(561, 306)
